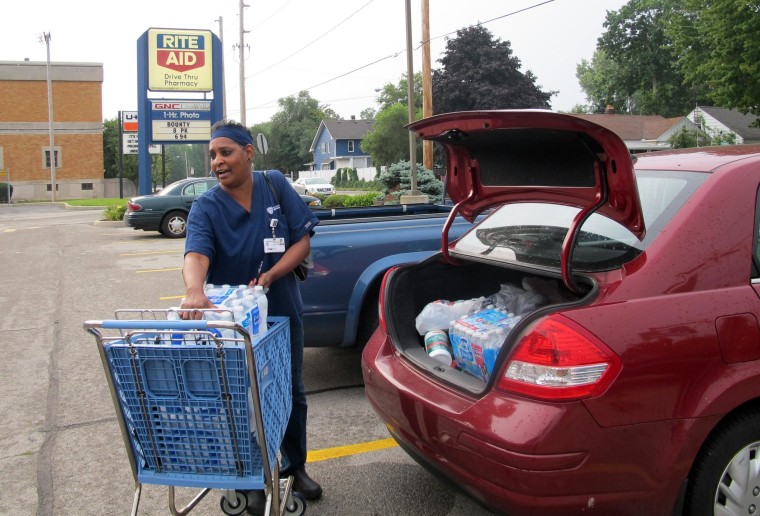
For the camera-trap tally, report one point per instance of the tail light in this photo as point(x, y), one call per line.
point(559, 360)
point(381, 298)
point(133, 206)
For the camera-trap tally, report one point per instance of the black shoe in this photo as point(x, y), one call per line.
point(303, 484)
point(257, 502)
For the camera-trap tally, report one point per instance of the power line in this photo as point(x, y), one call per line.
point(310, 43)
point(396, 54)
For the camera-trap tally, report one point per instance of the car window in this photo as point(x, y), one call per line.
point(755, 270)
point(196, 188)
point(533, 232)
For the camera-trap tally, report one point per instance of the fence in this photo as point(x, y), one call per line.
point(368, 174)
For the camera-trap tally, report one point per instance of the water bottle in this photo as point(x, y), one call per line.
point(251, 315)
point(173, 315)
point(263, 303)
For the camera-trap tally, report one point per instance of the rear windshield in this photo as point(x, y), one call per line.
point(532, 233)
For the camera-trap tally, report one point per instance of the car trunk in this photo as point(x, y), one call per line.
point(411, 288)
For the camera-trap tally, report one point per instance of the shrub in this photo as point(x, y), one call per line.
point(351, 201)
point(115, 212)
point(398, 181)
point(4, 192)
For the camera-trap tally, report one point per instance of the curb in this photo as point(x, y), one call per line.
point(110, 223)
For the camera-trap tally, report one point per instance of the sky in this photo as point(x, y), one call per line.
point(340, 51)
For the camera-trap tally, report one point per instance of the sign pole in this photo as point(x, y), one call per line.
point(8, 183)
point(121, 151)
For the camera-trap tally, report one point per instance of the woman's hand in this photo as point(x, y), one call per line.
point(194, 298)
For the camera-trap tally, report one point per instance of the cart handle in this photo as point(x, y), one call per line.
point(199, 324)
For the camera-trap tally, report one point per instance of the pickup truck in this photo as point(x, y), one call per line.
point(352, 248)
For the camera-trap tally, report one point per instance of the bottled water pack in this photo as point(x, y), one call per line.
point(238, 304)
point(476, 339)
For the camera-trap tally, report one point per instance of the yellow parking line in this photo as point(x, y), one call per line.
point(351, 449)
point(166, 298)
point(8, 230)
point(161, 270)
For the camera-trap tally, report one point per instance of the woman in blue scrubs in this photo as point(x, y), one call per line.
point(238, 233)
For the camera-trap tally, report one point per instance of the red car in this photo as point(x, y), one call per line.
point(623, 374)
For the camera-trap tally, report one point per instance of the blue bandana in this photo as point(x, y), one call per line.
point(241, 136)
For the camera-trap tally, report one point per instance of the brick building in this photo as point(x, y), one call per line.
point(77, 128)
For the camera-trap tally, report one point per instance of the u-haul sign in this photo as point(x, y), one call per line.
point(179, 60)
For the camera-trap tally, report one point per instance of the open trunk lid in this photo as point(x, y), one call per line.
point(497, 157)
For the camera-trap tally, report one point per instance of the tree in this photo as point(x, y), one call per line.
point(111, 153)
point(717, 45)
point(601, 80)
point(480, 72)
point(368, 114)
point(293, 129)
point(398, 181)
point(388, 141)
point(645, 70)
point(398, 94)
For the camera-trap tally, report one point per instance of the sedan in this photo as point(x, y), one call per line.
point(313, 186)
point(592, 346)
point(167, 210)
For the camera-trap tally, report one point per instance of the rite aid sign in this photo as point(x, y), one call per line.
point(180, 60)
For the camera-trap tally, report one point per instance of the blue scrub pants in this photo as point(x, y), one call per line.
point(293, 446)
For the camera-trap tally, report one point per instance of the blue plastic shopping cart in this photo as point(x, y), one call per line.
point(201, 405)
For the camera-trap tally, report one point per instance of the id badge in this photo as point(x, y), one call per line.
point(274, 245)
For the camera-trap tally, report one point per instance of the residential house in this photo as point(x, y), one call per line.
point(337, 144)
point(716, 121)
point(641, 133)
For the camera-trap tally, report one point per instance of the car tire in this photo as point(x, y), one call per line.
point(174, 224)
point(725, 477)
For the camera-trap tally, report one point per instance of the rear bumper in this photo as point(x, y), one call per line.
point(144, 221)
point(520, 456)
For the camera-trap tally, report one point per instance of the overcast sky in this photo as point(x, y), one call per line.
point(341, 51)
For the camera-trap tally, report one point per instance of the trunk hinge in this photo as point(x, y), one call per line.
point(568, 245)
point(450, 220)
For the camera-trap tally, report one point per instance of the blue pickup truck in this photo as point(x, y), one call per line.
point(352, 249)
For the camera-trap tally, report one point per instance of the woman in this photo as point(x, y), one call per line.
point(237, 233)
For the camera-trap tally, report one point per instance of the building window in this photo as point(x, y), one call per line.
point(350, 146)
point(328, 147)
point(50, 187)
point(86, 186)
point(46, 157)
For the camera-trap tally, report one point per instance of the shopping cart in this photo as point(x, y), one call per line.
point(201, 405)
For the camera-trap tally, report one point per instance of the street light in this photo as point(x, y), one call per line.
point(187, 169)
point(46, 38)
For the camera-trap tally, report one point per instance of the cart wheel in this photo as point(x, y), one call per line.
point(236, 507)
point(298, 507)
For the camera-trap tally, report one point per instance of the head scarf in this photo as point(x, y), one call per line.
point(234, 133)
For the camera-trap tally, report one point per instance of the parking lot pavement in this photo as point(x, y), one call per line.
point(62, 450)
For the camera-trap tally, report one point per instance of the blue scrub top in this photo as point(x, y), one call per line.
point(233, 239)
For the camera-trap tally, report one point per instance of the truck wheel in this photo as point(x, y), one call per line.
point(725, 478)
point(174, 224)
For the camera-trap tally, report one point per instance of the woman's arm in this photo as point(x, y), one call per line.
point(194, 274)
point(289, 261)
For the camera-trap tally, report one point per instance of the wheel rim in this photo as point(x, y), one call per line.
point(176, 225)
point(738, 490)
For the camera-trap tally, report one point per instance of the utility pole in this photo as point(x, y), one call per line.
point(410, 97)
point(46, 36)
point(224, 90)
point(242, 64)
point(427, 83)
